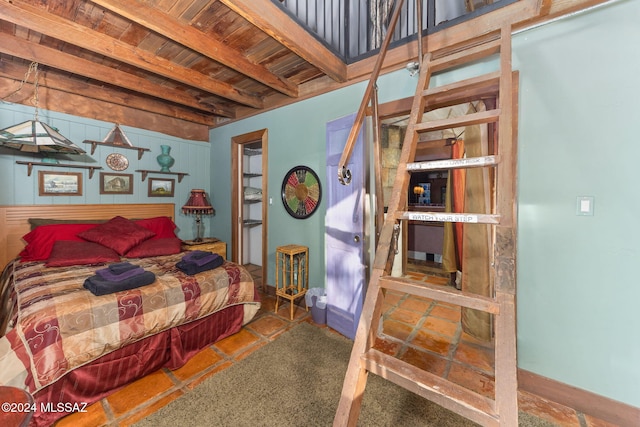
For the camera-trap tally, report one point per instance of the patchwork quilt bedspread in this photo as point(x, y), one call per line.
point(58, 325)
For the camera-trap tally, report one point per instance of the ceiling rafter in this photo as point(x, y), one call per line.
point(15, 74)
point(273, 21)
point(196, 40)
point(83, 67)
point(37, 19)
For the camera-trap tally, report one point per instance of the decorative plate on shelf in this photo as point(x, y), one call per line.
point(301, 192)
point(117, 162)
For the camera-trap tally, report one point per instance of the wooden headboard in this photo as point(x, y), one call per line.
point(14, 220)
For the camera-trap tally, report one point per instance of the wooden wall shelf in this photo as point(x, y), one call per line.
point(30, 166)
point(94, 144)
point(146, 172)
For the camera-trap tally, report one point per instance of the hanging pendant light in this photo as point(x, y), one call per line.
point(34, 136)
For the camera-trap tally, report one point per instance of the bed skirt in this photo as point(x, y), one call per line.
point(169, 349)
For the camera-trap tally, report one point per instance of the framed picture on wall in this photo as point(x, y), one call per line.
point(59, 183)
point(116, 183)
point(161, 187)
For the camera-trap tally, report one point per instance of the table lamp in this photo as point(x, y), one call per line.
point(198, 204)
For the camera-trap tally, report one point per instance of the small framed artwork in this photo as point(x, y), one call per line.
point(59, 183)
point(160, 187)
point(116, 183)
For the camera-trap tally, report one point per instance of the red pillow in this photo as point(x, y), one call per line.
point(163, 226)
point(68, 252)
point(41, 239)
point(119, 234)
point(156, 247)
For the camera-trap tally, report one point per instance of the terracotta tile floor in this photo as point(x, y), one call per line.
point(418, 330)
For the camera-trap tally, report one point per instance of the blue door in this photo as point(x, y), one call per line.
point(344, 232)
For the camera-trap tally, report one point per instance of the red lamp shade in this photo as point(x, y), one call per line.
point(198, 204)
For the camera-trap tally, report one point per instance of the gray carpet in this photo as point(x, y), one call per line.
point(296, 381)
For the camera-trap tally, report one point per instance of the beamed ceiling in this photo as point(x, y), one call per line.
point(181, 67)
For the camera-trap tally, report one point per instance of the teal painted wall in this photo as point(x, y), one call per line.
point(19, 189)
point(296, 137)
point(577, 291)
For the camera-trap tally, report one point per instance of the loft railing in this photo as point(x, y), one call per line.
point(355, 29)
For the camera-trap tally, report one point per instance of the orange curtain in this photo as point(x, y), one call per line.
point(454, 202)
point(459, 185)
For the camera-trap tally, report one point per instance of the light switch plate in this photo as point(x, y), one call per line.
point(584, 206)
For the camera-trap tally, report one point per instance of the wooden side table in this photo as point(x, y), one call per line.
point(210, 244)
point(292, 274)
point(17, 406)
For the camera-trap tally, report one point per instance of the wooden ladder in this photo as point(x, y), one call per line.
point(503, 409)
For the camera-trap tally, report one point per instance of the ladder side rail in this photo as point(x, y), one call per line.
point(355, 379)
point(343, 174)
point(506, 380)
point(399, 195)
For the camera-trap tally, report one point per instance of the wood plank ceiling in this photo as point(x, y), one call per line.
point(178, 67)
point(183, 66)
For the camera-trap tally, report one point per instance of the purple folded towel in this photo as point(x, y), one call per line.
point(200, 258)
point(99, 286)
point(109, 275)
point(197, 254)
point(191, 268)
point(121, 267)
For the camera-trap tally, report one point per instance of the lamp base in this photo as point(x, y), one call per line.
point(198, 229)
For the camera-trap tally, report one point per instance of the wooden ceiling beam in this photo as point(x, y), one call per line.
point(265, 15)
point(52, 80)
point(81, 106)
point(83, 67)
point(196, 40)
point(38, 19)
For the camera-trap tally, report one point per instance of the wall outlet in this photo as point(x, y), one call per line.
point(584, 206)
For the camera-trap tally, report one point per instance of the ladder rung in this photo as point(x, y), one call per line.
point(465, 55)
point(462, 91)
point(445, 393)
point(441, 293)
point(456, 122)
point(470, 162)
point(471, 218)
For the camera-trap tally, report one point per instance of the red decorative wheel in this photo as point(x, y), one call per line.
point(301, 192)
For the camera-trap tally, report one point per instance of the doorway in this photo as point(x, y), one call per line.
point(249, 173)
point(345, 237)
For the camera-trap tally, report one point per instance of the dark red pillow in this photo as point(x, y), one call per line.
point(119, 234)
point(156, 247)
point(163, 226)
point(41, 239)
point(69, 252)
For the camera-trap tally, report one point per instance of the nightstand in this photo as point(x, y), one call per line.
point(210, 244)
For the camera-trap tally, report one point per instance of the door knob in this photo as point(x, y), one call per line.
point(356, 238)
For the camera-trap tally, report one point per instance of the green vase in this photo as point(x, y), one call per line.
point(165, 160)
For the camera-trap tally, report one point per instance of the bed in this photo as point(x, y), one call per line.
point(69, 347)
